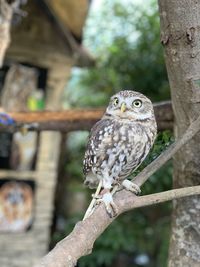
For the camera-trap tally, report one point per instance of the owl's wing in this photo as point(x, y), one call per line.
point(96, 137)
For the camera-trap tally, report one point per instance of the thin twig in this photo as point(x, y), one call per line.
point(157, 198)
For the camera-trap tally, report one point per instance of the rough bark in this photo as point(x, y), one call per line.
point(180, 35)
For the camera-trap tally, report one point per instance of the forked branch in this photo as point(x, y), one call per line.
point(80, 241)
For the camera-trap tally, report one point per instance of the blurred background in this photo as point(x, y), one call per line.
point(110, 46)
point(124, 36)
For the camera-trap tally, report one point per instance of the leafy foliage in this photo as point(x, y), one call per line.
point(129, 56)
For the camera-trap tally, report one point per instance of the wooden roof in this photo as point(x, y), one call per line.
point(71, 14)
point(54, 29)
point(69, 17)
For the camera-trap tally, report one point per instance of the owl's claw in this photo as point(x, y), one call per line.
point(94, 196)
point(130, 186)
point(110, 205)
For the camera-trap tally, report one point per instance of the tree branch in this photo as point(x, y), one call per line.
point(80, 241)
point(157, 198)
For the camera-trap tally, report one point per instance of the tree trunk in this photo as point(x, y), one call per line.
point(180, 35)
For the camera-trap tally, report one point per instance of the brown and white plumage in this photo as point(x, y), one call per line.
point(118, 143)
point(16, 206)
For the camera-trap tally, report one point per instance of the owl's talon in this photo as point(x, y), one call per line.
point(110, 205)
point(96, 196)
point(112, 209)
point(130, 186)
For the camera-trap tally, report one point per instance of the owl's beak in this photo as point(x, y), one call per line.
point(123, 107)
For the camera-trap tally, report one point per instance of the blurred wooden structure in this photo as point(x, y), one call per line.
point(79, 119)
point(48, 40)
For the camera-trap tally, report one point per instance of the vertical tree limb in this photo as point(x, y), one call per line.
point(180, 35)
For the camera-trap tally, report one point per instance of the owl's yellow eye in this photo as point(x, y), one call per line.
point(137, 103)
point(115, 101)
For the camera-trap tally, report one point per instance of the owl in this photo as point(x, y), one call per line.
point(118, 144)
point(19, 83)
point(16, 206)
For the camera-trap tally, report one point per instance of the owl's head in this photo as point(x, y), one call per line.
point(130, 105)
